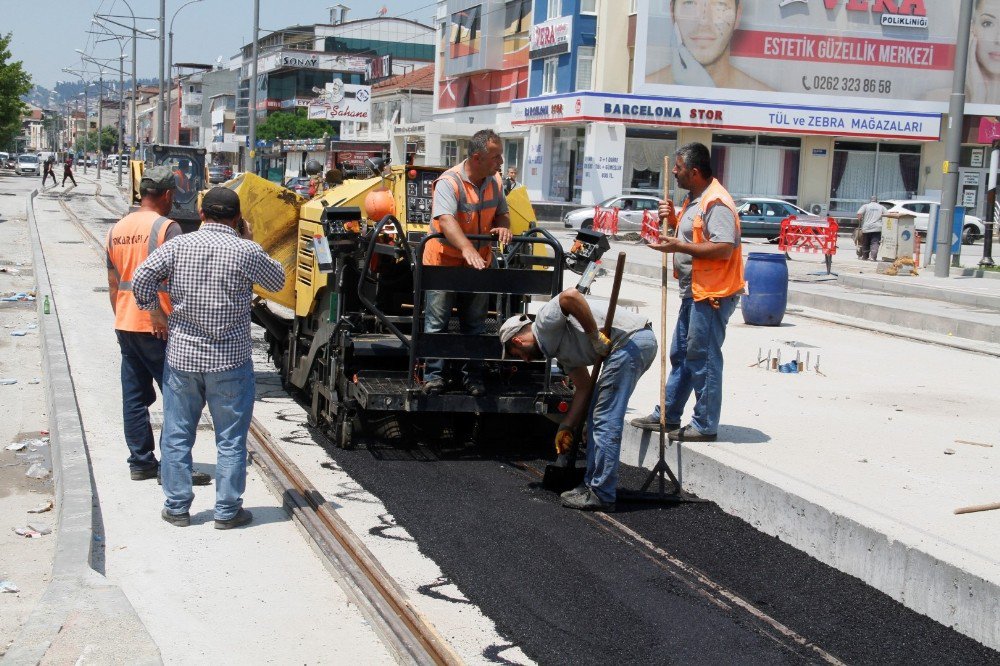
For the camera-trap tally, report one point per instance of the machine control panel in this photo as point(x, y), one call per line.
point(420, 194)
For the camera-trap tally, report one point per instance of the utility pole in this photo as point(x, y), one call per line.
point(163, 13)
point(121, 109)
point(100, 120)
point(252, 121)
point(953, 144)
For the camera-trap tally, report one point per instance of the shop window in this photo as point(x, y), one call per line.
point(449, 153)
point(643, 173)
point(588, 6)
point(566, 174)
point(585, 68)
point(764, 166)
point(860, 170)
point(550, 67)
point(555, 9)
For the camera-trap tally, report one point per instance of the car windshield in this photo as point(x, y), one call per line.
point(607, 202)
point(27, 158)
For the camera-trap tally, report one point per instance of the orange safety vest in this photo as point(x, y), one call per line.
point(475, 217)
point(129, 242)
point(715, 278)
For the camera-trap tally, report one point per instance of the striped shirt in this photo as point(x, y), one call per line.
point(212, 272)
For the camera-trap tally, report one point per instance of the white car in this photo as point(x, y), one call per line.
point(972, 228)
point(630, 206)
point(28, 165)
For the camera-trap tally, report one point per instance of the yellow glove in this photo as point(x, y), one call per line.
point(600, 342)
point(564, 439)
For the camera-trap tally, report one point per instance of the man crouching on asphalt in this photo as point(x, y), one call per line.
point(212, 273)
point(567, 329)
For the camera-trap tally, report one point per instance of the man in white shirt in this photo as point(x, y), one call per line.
point(870, 219)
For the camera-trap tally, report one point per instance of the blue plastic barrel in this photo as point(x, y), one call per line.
point(767, 289)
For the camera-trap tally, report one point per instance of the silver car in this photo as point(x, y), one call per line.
point(972, 228)
point(630, 207)
point(28, 165)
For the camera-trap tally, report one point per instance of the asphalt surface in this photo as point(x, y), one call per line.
point(569, 587)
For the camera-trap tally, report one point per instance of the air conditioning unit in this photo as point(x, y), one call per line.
point(819, 209)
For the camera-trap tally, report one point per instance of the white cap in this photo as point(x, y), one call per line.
point(510, 328)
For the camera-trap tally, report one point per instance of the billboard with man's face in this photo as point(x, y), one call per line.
point(844, 54)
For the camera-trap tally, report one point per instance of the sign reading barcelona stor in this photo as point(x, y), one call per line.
point(846, 54)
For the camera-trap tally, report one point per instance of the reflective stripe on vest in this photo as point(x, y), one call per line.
point(129, 242)
point(715, 278)
point(475, 217)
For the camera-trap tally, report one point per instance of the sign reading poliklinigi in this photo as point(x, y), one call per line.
point(553, 37)
point(340, 101)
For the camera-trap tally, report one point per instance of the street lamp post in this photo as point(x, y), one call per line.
point(159, 102)
point(170, 67)
point(252, 120)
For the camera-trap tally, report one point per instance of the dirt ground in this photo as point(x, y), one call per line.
point(25, 562)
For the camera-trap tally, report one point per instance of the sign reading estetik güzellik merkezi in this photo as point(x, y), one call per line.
point(553, 37)
point(868, 54)
point(713, 114)
point(340, 101)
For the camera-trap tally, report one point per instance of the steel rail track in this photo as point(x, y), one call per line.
point(697, 581)
point(407, 634)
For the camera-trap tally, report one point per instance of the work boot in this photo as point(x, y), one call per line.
point(588, 501)
point(652, 424)
point(435, 386)
point(579, 490)
point(147, 473)
point(242, 517)
point(197, 478)
point(176, 519)
point(475, 387)
point(689, 434)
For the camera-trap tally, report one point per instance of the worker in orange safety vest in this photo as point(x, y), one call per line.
point(708, 265)
point(468, 201)
point(142, 336)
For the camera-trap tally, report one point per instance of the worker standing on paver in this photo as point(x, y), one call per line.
point(212, 273)
point(142, 339)
point(708, 266)
point(468, 201)
point(870, 219)
point(569, 330)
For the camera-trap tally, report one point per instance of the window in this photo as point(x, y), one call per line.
point(550, 66)
point(517, 16)
point(632, 7)
point(589, 6)
point(555, 9)
point(757, 166)
point(465, 28)
point(889, 170)
point(585, 68)
point(449, 153)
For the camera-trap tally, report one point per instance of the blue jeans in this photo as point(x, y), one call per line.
point(142, 364)
point(230, 397)
point(472, 321)
point(621, 372)
point(696, 363)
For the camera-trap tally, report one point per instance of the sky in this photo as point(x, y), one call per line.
point(46, 33)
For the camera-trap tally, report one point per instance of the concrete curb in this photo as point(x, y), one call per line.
point(917, 290)
point(940, 590)
point(79, 608)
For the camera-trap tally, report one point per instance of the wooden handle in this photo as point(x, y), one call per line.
point(664, 278)
point(978, 507)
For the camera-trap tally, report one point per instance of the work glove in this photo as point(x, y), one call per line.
point(600, 343)
point(564, 439)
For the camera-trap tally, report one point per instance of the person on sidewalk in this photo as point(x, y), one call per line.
point(212, 273)
point(510, 182)
point(870, 220)
point(142, 339)
point(468, 201)
point(48, 169)
point(708, 266)
point(569, 330)
point(68, 171)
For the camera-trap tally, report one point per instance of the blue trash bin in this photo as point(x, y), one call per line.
point(767, 289)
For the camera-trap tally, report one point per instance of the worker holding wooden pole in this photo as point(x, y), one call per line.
point(708, 265)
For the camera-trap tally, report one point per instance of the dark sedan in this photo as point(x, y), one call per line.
point(299, 185)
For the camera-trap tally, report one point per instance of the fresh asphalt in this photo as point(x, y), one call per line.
point(567, 587)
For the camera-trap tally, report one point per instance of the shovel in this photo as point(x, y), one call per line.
point(563, 474)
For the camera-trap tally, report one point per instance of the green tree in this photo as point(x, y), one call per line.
point(14, 82)
point(293, 125)
point(108, 137)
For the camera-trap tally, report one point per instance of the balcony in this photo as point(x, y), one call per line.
point(190, 121)
point(191, 98)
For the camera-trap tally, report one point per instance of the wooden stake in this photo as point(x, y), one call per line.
point(978, 507)
point(664, 344)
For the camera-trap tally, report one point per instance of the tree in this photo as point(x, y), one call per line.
point(109, 141)
point(293, 125)
point(14, 82)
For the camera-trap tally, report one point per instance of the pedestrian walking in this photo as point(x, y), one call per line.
point(48, 169)
point(211, 275)
point(568, 329)
point(141, 337)
point(708, 265)
point(870, 222)
point(68, 171)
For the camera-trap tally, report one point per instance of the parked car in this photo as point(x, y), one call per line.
point(631, 208)
point(972, 228)
point(28, 165)
point(4, 159)
point(299, 185)
point(217, 173)
point(762, 216)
